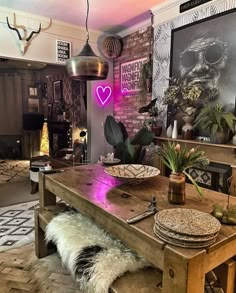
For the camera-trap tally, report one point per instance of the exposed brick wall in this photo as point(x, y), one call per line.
point(135, 46)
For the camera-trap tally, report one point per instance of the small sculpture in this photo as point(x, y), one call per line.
point(23, 43)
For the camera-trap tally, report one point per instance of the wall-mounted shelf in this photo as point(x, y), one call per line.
point(197, 142)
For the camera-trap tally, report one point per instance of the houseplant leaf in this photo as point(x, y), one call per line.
point(142, 137)
point(112, 131)
point(122, 153)
point(123, 129)
point(130, 147)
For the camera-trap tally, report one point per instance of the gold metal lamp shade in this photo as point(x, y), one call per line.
point(87, 66)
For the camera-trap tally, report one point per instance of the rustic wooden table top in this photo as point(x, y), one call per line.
point(124, 201)
point(110, 203)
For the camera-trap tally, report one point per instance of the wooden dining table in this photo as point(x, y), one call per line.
point(110, 202)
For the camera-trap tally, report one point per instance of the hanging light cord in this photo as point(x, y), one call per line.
point(87, 21)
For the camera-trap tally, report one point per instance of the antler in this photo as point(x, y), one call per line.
point(34, 32)
point(14, 29)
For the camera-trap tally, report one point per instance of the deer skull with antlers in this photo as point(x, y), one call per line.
point(23, 43)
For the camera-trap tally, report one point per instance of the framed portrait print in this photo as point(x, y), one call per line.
point(57, 91)
point(204, 52)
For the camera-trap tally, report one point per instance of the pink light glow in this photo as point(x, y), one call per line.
point(103, 94)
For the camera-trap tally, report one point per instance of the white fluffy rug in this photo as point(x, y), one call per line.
point(16, 225)
point(14, 170)
point(93, 257)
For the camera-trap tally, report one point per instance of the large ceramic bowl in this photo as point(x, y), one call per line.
point(132, 173)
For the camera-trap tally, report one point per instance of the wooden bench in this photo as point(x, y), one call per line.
point(146, 281)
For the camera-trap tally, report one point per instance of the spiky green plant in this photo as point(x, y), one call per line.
point(178, 159)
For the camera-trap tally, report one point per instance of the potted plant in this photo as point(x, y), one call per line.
point(186, 100)
point(179, 160)
point(128, 150)
point(152, 123)
point(146, 77)
point(217, 121)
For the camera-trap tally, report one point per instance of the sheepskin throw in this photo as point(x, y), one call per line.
point(93, 257)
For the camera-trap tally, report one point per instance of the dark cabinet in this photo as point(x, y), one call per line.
point(59, 135)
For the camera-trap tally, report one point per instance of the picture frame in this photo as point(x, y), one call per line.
point(130, 76)
point(63, 51)
point(57, 91)
point(33, 91)
point(33, 105)
point(204, 52)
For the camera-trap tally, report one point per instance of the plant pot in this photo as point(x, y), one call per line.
point(157, 130)
point(176, 191)
point(187, 128)
point(220, 137)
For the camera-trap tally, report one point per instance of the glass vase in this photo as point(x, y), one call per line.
point(176, 191)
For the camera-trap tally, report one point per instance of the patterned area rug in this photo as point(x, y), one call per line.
point(17, 225)
point(14, 170)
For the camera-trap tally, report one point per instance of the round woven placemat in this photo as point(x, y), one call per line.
point(183, 243)
point(184, 237)
point(188, 222)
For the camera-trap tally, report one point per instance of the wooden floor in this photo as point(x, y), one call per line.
point(21, 271)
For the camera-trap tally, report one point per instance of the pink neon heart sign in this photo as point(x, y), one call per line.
point(103, 93)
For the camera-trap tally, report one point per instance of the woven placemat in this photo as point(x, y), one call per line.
point(188, 222)
point(183, 243)
point(183, 237)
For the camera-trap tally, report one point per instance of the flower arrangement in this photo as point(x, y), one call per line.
point(178, 159)
point(186, 98)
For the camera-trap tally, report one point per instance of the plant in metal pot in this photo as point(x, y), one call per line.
point(218, 122)
point(153, 123)
point(128, 150)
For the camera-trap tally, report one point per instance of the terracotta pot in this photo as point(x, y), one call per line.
point(176, 191)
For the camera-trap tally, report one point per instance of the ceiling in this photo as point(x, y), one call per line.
point(107, 16)
point(104, 15)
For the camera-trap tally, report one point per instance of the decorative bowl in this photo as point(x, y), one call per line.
point(132, 173)
point(106, 161)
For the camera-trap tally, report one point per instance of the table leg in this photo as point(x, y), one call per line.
point(182, 275)
point(41, 248)
point(233, 181)
point(45, 197)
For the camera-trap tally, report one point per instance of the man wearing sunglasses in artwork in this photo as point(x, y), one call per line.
point(202, 62)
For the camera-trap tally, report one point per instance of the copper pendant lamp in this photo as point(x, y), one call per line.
point(86, 65)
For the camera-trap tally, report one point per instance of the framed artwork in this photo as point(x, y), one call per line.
point(33, 105)
point(33, 91)
point(57, 90)
point(130, 75)
point(204, 52)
